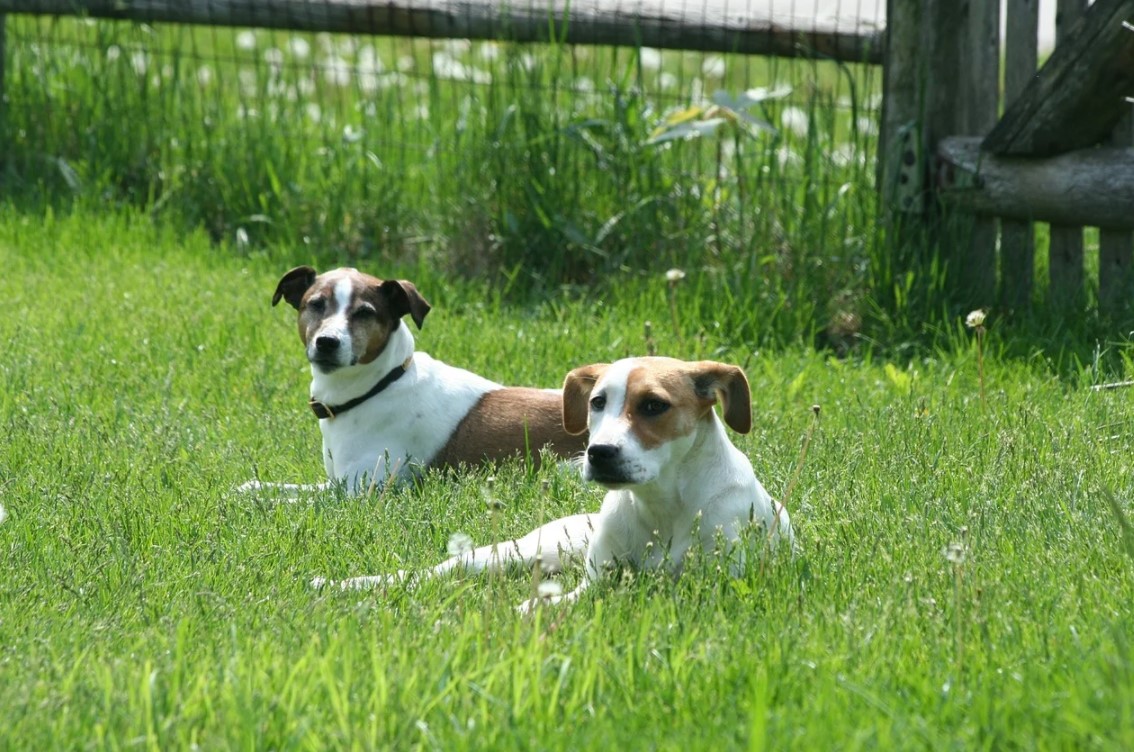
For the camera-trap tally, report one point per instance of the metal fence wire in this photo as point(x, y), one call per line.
point(454, 127)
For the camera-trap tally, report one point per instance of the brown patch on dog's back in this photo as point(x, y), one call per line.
point(510, 422)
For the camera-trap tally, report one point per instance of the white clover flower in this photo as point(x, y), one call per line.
point(975, 319)
point(673, 276)
point(3, 514)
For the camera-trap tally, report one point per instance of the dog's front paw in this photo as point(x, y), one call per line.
point(249, 487)
point(532, 604)
point(359, 583)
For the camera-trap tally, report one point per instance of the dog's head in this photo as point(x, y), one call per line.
point(643, 413)
point(346, 317)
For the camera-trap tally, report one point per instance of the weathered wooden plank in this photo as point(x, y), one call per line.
point(711, 25)
point(1077, 97)
point(1116, 247)
point(901, 168)
point(945, 27)
point(954, 41)
point(1017, 239)
point(1065, 242)
point(981, 73)
point(1092, 187)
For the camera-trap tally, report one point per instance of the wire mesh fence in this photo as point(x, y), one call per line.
point(556, 161)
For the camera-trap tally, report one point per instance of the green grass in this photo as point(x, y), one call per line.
point(143, 605)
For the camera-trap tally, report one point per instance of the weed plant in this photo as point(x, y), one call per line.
point(529, 166)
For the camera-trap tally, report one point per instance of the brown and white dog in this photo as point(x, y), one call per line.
point(387, 412)
point(674, 478)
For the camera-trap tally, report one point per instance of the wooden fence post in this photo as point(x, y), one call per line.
point(1017, 239)
point(1065, 253)
point(962, 98)
point(901, 164)
point(1116, 247)
point(982, 104)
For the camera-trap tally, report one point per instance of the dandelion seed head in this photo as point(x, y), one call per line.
point(713, 67)
point(368, 60)
point(246, 40)
point(274, 57)
point(549, 589)
point(459, 543)
point(650, 58)
point(352, 135)
point(337, 71)
point(954, 553)
point(300, 48)
point(795, 120)
point(140, 63)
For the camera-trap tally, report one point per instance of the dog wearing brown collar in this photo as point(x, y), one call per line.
point(387, 412)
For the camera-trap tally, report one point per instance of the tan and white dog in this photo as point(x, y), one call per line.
point(386, 411)
point(674, 478)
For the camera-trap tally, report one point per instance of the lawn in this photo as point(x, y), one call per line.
point(965, 579)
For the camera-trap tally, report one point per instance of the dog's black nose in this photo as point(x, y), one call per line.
point(325, 344)
point(602, 454)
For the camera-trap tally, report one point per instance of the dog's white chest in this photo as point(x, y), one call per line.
point(401, 430)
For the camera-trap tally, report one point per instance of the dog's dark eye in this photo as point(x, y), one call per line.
point(316, 305)
point(598, 402)
point(653, 407)
point(364, 312)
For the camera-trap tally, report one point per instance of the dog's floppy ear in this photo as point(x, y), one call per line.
point(404, 298)
point(714, 381)
point(577, 396)
point(293, 284)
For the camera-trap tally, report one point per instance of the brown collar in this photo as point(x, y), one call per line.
point(323, 411)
